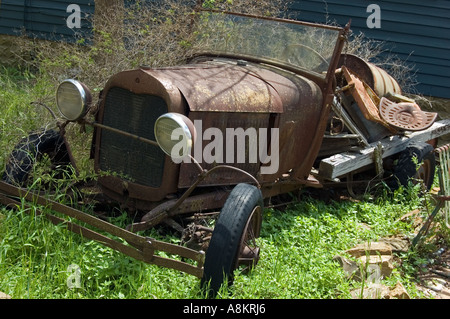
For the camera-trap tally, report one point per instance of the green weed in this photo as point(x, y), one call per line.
point(297, 243)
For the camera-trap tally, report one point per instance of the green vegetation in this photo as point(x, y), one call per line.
point(298, 242)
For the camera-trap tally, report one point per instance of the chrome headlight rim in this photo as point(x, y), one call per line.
point(85, 99)
point(187, 130)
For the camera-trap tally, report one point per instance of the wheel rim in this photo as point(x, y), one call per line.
point(248, 253)
point(424, 172)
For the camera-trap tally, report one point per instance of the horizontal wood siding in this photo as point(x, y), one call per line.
point(418, 32)
point(43, 18)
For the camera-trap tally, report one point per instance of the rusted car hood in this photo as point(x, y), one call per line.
point(228, 87)
point(276, 98)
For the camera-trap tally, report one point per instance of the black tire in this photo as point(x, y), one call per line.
point(416, 164)
point(239, 223)
point(30, 150)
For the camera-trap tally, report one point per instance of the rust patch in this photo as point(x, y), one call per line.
point(366, 99)
point(225, 87)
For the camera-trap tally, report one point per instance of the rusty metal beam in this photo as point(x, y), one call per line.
point(288, 21)
point(142, 248)
point(117, 131)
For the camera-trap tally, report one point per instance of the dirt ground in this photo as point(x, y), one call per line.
point(435, 277)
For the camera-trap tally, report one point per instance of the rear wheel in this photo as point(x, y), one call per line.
point(416, 164)
point(233, 242)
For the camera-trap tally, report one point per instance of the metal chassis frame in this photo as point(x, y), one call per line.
point(140, 247)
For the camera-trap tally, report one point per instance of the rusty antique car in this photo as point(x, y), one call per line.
point(265, 107)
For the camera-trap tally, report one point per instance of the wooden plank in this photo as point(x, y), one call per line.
point(341, 164)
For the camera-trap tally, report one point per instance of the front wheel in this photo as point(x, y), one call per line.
point(28, 152)
point(233, 242)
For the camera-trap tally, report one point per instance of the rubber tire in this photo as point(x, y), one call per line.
point(30, 150)
point(221, 255)
point(406, 168)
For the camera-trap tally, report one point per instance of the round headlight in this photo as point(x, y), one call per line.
point(175, 134)
point(72, 98)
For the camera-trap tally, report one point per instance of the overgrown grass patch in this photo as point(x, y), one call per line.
point(19, 89)
point(298, 246)
point(298, 243)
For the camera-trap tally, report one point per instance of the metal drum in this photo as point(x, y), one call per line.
point(378, 79)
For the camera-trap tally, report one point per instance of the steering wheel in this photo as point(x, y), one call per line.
point(289, 55)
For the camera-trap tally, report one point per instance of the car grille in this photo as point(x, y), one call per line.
point(124, 156)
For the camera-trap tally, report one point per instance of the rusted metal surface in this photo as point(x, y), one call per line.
point(378, 79)
point(442, 198)
point(303, 169)
point(283, 92)
point(134, 194)
point(406, 116)
point(224, 86)
point(142, 248)
point(248, 251)
point(298, 127)
point(383, 82)
point(219, 93)
point(197, 203)
point(444, 179)
point(366, 99)
point(212, 198)
point(227, 86)
point(287, 21)
point(222, 120)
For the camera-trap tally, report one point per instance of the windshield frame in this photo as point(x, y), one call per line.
point(323, 77)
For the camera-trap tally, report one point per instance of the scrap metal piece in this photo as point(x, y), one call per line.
point(343, 163)
point(376, 78)
point(138, 247)
point(366, 99)
point(443, 198)
point(444, 178)
point(406, 116)
point(341, 112)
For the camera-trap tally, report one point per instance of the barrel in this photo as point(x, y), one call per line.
point(377, 78)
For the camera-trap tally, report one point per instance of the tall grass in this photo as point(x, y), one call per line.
point(19, 89)
point(297, 249)
point(297, 243)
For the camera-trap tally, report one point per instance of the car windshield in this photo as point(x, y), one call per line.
point(304, 45)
